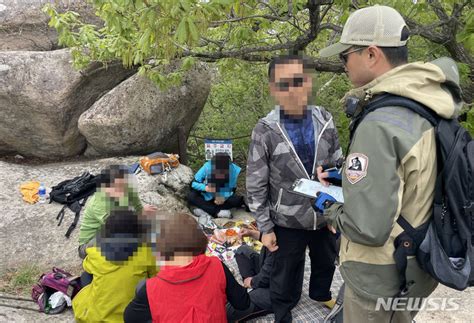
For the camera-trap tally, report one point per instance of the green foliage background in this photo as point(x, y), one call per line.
point(237, 37)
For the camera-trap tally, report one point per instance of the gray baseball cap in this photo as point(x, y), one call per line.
point(376, 25)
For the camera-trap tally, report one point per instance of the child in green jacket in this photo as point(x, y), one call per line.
point(115, 190)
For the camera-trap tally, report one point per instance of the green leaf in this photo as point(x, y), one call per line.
point(185, 5)
point(193, 31)
point(188, 63)
point(181, 33)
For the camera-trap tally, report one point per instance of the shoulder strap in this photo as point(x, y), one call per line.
point(392, 100)
point(76, 207)
point(60, 215)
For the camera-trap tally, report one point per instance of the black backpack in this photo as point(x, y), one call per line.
point(73, 193)
point(444, 245)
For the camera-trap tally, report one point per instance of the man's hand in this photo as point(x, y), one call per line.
point(322, 201)
point(322, 175)
point(219, 200)
point(248, 282)
point(331, 228)
point(149, 210)
point(249, 233)
point(269, 240)
point(210, 189)
point(334, 173)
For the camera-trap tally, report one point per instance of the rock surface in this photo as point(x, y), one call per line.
point(136, 117)
point(42, 97)
point(29, 233)
point(23, 26)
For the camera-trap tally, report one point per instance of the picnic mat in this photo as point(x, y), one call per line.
point(306, 310)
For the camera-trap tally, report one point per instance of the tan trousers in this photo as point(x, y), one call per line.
point(362, 310)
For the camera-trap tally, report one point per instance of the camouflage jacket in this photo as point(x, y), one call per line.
point(273, 166)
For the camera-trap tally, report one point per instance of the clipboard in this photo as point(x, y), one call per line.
point(309, 188)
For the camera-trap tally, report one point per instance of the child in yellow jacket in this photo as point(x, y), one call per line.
point(117, 262)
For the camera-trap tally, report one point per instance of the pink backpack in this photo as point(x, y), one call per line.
point(52, 282)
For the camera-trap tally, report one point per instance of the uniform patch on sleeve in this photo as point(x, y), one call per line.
point(356, 167)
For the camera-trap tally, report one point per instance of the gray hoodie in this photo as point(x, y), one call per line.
point(273, 165)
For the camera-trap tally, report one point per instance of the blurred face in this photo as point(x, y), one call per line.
point(117, 189)
point(221, 173)
point(220, 167)
point(291, 87)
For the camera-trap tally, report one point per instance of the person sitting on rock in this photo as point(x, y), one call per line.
point(190, 287)
point(114, 266)
point(213, 188)
point(115, 190)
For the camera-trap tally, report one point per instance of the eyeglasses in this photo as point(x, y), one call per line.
point(285, 84)
point(344, 56)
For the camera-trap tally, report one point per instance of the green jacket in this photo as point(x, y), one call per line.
point(390, 170)
point(98, 209)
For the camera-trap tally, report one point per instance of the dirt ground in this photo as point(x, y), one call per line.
point(464, 299)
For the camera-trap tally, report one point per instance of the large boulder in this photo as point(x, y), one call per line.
point(42, 97)
point(167, 191)
point(136, 117)
point(23, 25)
point(5, 149)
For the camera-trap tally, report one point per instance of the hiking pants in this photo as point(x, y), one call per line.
point(85, 279)
point(359, 309)
point(248, 261)
point(286, 279)
point(81, 250)
point(195, 198)
point(259, 305)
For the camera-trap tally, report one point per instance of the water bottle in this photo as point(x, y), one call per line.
point(42, 193)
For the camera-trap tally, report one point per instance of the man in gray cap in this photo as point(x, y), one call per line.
point(396, 173)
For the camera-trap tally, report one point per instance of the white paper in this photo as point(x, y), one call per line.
point(58, 298)
point(310, 188)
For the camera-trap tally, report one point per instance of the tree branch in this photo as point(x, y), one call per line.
point(251, 55)
point(311, 34)
point(438, 10)
point(331, 26)
point(268, 17)
point(428, 32)
point(457, 9)
point(263, 3)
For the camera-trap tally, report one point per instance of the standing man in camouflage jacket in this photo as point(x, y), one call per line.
point(391, 168)
point(288, 144)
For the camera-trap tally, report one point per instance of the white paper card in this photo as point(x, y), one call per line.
point(310, 188)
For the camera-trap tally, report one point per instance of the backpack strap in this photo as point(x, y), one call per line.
point(406, 244)
point(60, 215)
point(73, 225)
point(76, 207)
point(392, 100)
